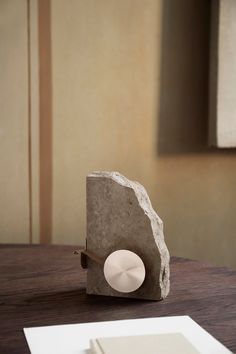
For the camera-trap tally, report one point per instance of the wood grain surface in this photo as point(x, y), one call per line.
point(45, 285)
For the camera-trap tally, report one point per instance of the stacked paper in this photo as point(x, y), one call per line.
point(76, 338)
point(167, 343)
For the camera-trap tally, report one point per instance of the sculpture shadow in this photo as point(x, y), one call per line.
point(75, 306)
point(79, 295)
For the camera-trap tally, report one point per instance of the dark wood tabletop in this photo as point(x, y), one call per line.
point(45, 285)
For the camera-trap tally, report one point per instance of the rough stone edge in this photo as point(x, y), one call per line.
point(145, 203)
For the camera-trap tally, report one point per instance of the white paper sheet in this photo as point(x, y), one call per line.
point(74, 339)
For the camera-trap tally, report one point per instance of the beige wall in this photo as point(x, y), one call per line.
point(14, 190)
point(19, 122)
point(130, 94)
point(104, 99)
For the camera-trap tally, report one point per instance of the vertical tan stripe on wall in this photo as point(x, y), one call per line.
point(34, 118)
point(29, 122)
point(45, 120)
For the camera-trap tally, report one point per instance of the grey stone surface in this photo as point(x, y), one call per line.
point(120, 216)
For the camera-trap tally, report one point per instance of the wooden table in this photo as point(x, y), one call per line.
point(45, 285)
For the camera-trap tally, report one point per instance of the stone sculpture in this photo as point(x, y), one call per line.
point(120, 217)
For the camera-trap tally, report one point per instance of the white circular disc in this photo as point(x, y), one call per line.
point(124, 271)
